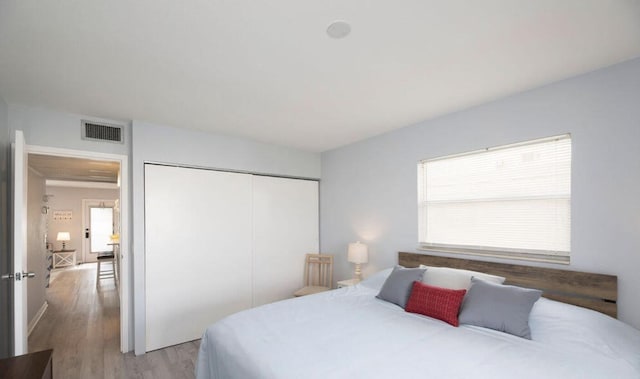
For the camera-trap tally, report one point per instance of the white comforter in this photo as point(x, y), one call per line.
point(348, 333)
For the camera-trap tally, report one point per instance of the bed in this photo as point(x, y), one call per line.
point(348, 333)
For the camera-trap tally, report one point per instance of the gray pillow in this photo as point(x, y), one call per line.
point(397, 288)
point(499, 307)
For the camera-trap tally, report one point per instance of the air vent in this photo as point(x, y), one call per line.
point(102, 132)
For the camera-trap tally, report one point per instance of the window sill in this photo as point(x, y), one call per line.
point(523, 256)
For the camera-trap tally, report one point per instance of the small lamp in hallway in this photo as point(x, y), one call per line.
point(64, 237)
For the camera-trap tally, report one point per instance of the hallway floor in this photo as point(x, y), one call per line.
point(82, 325)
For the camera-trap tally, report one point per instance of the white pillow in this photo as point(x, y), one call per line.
point(454, 278)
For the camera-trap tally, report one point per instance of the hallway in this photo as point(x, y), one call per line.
point(82, 326)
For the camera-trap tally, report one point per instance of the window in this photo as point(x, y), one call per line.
point(512, 200)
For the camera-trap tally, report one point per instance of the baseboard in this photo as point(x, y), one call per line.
point(37, 317)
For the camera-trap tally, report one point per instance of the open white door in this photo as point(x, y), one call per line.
point(20, 273)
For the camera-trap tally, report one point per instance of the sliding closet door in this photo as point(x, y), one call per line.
point(285, 228)
point(198, 227)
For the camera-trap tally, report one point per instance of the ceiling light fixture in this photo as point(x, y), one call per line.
point(339, 29)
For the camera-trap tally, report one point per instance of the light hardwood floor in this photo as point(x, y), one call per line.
point(82, 326)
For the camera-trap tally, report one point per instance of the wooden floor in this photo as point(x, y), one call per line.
point(82, 326)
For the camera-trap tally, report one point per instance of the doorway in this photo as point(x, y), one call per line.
point(117, 207)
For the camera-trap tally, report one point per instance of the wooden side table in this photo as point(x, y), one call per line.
point(29, 366)
point(64, 258)
point(348, 283)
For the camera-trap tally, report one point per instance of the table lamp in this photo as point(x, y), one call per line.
point(64, 237)
point(357, 253)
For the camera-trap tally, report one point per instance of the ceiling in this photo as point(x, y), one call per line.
point(267, 70)
point(74, 169)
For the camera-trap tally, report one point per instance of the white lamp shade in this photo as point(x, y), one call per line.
point(357, 253)
point(64, 236)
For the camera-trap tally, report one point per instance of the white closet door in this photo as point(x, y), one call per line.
point(285, 228)
point(198, 251)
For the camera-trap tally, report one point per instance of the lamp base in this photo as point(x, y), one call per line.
point(358, 273)
point(64, 246)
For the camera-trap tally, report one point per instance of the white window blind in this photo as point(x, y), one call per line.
point(514, 198)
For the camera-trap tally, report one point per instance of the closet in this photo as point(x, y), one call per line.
point(220, 242)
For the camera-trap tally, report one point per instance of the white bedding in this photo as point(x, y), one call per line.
point(348, 333)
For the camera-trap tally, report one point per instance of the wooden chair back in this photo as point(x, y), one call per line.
point(318, 270)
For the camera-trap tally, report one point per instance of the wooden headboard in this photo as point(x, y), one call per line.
point(594, 291)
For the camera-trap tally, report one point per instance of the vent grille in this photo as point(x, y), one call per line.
point(102, 132)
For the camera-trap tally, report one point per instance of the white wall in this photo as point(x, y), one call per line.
point(158, 143)
point(368, 189)
point(36, 248)
point(155, 143)
point(70, 198)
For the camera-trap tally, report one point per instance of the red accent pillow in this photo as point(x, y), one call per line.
point(441, 303)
